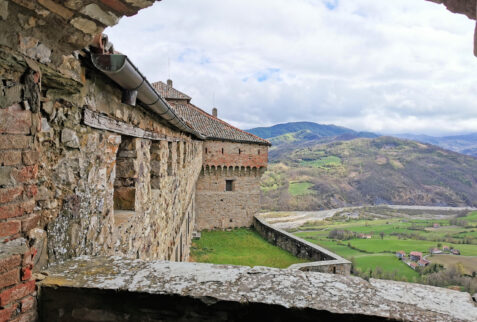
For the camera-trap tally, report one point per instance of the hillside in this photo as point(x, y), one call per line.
point(465, 144)
point(312, 130)
point(319, 175)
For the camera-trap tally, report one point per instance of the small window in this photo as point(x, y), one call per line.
point(229, 185)
point(258, 151)
point(240, 151)
point(222, 150)
point(205, 150)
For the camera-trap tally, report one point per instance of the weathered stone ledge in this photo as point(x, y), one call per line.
point(98, 286)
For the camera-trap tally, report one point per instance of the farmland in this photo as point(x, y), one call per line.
point(391, 230)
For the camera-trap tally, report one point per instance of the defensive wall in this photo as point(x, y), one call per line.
point(322, 260)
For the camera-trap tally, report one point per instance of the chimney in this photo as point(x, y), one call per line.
point(169, 82)
point(214, 112)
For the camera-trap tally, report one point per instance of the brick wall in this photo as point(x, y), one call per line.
point(223, 153)
point(18, 216)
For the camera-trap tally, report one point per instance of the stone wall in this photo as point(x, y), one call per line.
point(115, 289)
point(244, 165)
point(322, 260)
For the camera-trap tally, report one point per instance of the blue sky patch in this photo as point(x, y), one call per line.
point(331, 4)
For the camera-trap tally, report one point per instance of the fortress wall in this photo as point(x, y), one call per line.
point(223, 153)
point(218, 208)
point(322, 260)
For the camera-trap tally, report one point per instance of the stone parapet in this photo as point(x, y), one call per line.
point(119, 289)
point(322, 259)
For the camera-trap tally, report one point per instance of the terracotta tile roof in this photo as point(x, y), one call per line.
point(169, 92)
point(212, 127)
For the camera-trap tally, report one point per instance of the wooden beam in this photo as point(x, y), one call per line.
point(103, 122)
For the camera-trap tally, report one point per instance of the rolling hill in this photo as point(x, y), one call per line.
point(331, 172)
point(465, 144)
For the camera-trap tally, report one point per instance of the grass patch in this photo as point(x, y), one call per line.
point(325, 162)
point(240, 247)
point(300, 188)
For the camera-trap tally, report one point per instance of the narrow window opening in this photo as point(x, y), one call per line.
point(229, 185)
point(205, 150)
point(258, 151)
point(334, 269)
point(125, 181)
point(222, 150)
point(169, 159)
point(240, 151)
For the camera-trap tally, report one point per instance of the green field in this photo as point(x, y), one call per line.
point(391, 235)
point(300, 188)
point(239, 247)
point(329, 161)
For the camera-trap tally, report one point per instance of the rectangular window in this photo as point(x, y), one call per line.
point(229, 185)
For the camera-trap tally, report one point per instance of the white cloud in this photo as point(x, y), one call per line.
point(390, 66)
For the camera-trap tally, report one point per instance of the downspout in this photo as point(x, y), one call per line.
point(122, 71)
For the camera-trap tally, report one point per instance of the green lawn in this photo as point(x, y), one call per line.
point(300, 188)
point(239, 247)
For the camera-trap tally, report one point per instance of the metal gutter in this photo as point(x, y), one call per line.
point(123, 72)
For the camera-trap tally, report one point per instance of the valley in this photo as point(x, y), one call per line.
point(370, 237)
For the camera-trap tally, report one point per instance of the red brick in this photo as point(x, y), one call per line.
point(118, 6)
point(10, 194)
point(8, 263)
point(30, 157)
point(15, 122)
point(9, 278)
point(30, 222)
point(31, 191)
point(17, 292)
point(10, 228)
point(28, 303)
point(8, 142)
point(7, 312)
point(26, 272)
point(10, 158)
point(16, 210)
point(26, 173)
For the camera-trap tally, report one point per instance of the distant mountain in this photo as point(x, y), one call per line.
point(465, 144)
point(318, 174)
point(319, 130)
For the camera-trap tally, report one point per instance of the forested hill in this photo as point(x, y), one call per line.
point(315, 174)
point(315, 129)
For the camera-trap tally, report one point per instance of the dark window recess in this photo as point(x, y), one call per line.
point(229, 185)
point(258, 152)
point(222, 150)
point(206, 150)
point(240, 151)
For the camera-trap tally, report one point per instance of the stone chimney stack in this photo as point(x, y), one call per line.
point(169, 82)
point(214, 112)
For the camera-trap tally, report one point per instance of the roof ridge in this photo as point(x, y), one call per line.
point(227, 124)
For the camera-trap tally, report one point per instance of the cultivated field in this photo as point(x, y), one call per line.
point(370, 236)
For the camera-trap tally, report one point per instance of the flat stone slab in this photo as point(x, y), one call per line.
point(289, 289)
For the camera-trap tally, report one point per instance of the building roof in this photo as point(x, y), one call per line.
point(208, 125)
point(212, 127)
point(416, 253)
point(169, 92)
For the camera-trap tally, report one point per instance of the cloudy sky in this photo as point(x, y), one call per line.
point(388, 66)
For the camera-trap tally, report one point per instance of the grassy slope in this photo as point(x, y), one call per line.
point(369, 171)
point(299, 188)
point(239, 247)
